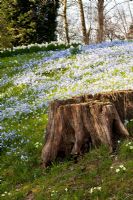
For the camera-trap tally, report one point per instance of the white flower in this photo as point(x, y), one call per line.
point(131, 147)
point(122, 167)
point(94, 189)
point(126, 122)
point(99, 188)
point(66, 189)
point(91, 190)
point(117, 170)
point(53, 193)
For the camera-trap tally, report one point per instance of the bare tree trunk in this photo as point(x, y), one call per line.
point(100, 32)
point(66, 22)
point(122, 20)
point(82, 17)
point(88, 34)
point(76, 124)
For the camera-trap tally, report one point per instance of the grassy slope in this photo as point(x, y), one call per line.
point(21, 175)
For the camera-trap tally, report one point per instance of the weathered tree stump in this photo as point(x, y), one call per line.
point(76, 124)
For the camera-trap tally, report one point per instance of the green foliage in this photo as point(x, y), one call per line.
point(5, 36)
point(35, 48)
point(74, 50)
point(46, 21)
point(29, 21)
point(19, 17)
point(126, 149)
point(130, 127)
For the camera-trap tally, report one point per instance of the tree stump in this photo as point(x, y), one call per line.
point(76, 124)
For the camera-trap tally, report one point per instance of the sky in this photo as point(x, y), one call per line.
point(111, 3)
point(74, 15)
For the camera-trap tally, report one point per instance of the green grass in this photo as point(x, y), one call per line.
point(70, 179)
point(9, 63)
point(98, 175)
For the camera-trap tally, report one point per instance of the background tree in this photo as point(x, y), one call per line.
point(121, 16)
point(68, 28)
point(5, 37)
point(66, 21)
point(30, 21)
point(100, 10)
point(46, 22)
point(19, 15)
point(83, 24)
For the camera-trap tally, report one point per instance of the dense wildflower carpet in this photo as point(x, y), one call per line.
point(28, 83)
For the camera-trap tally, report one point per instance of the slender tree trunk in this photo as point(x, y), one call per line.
point(122, 20)
point(125, 19)
point(100, 32)
point(66, 22)
point(83, 25)
point(88, 34)
point(90, 26)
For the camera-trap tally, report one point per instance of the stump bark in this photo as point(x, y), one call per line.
point(76, 124)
